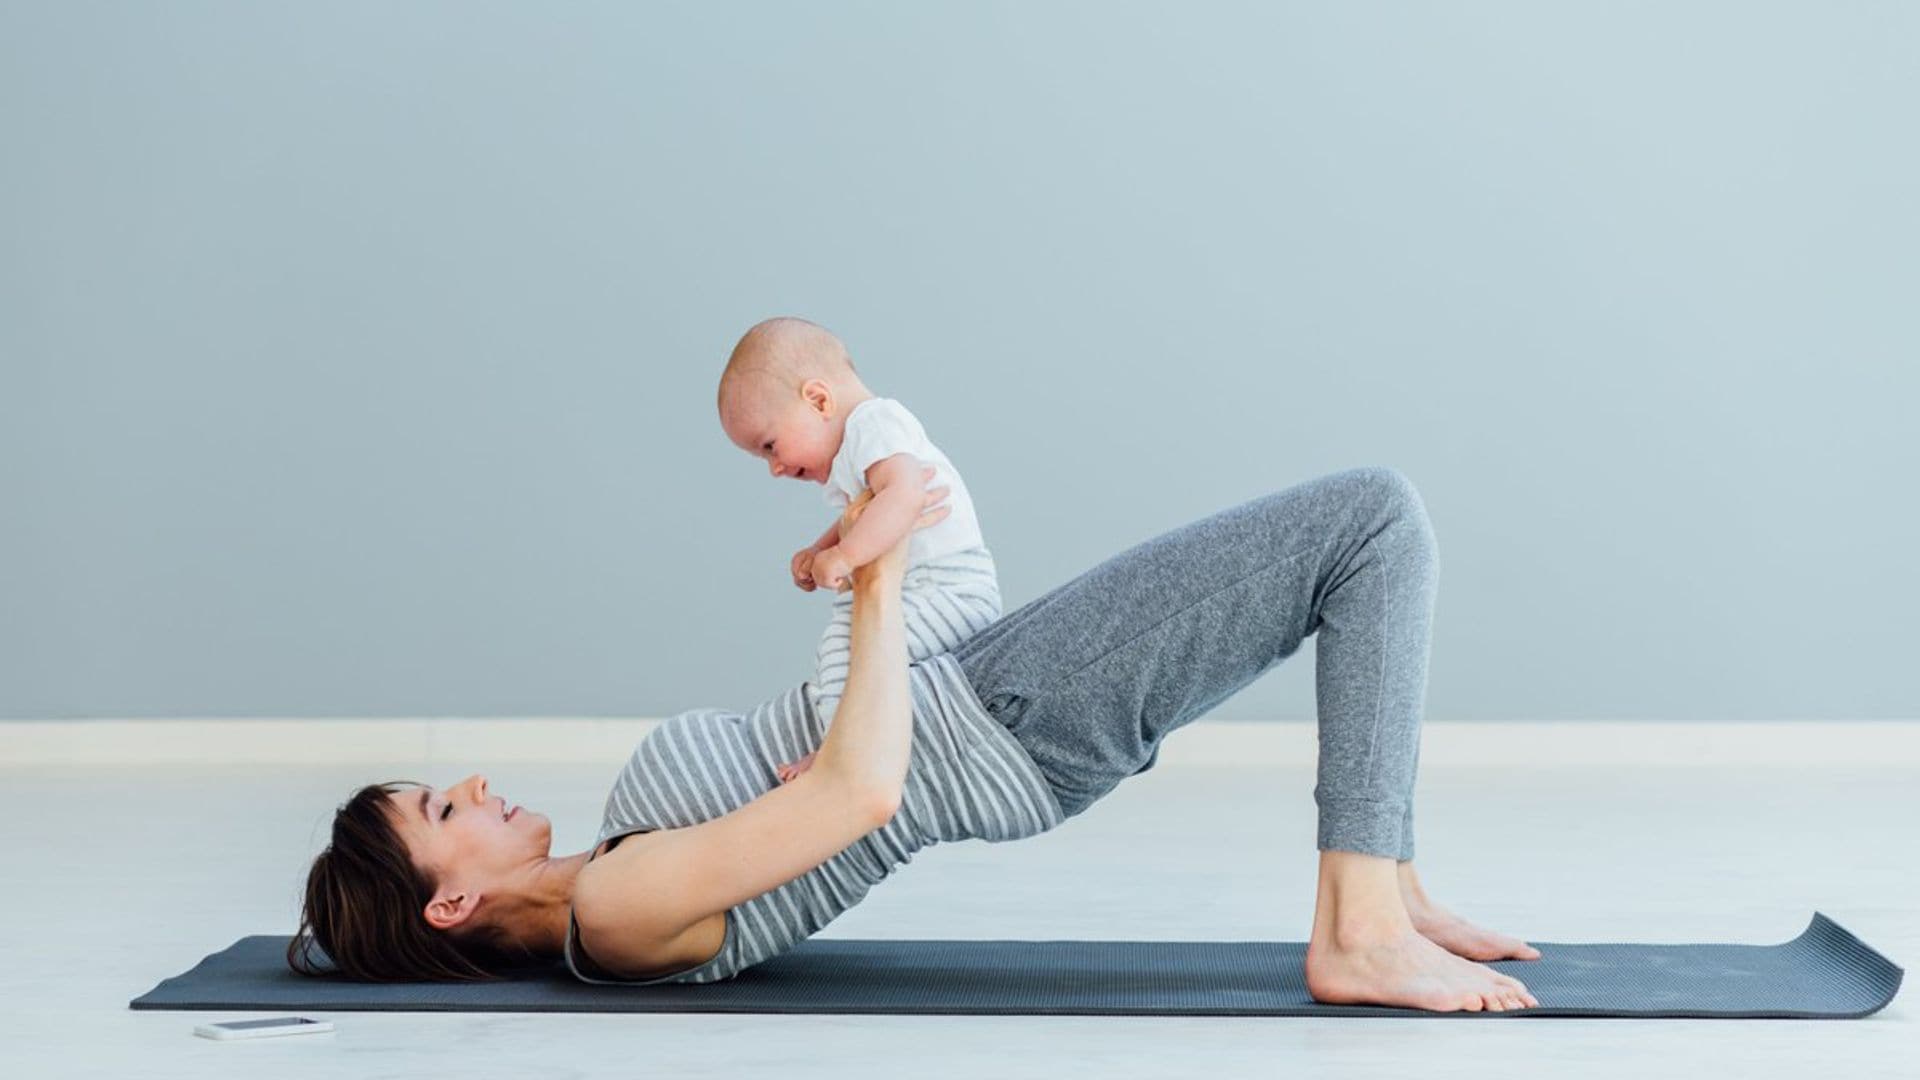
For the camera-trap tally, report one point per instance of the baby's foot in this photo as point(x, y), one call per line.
point(795, 768)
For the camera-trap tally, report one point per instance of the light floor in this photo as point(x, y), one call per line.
point(119, 876)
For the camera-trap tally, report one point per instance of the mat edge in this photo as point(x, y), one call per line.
point(1814, 924)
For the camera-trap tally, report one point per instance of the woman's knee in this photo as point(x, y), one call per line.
point(1399, 500)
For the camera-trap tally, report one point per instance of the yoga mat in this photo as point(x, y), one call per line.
point(1825, 973)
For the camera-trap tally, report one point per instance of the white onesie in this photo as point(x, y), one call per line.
point(950, 591)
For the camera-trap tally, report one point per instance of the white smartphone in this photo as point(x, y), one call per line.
point(260, 1029)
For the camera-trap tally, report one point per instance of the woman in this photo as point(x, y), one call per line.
point(707, 864)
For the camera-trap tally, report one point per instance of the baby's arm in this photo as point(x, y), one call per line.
point(828, 538)
point(801, 564)
point(897, 499)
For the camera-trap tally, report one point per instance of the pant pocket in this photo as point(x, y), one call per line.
point(1008, 707)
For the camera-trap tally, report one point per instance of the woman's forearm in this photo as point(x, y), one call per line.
point(871, 735)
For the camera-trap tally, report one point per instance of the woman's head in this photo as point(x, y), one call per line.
point(420, 883)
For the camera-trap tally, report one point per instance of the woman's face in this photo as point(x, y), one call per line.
point(467, 838)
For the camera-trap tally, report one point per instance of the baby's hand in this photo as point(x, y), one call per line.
point(831, 569)
point(793, 769)
point(802, 568)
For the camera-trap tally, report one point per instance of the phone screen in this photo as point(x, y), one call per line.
point(249, 1025)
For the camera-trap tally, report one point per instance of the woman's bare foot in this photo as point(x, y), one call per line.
point(1366, 950)
point(1453, 933)
point(1400, 967)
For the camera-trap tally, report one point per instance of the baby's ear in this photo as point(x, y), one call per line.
point(818, 396)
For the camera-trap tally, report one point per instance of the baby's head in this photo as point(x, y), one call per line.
point(785, 396)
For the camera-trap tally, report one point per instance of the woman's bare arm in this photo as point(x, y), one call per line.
point(637, 903)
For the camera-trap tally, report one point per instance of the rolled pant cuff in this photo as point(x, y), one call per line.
point(1366, 826)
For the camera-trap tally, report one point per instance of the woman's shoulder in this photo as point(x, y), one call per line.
point(615, 936)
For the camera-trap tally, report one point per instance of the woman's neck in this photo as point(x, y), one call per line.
point(538, 916)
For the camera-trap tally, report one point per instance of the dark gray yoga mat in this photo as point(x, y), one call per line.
point(1825, 973)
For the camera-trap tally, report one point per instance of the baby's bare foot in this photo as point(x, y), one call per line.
point(794, 768)
point(1401, 967)
point(1462, 938)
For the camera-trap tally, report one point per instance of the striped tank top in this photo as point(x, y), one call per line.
point(967, 779)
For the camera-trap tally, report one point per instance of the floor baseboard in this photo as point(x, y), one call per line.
point(453, 742)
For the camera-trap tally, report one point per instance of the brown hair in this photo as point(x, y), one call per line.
point(364, 903)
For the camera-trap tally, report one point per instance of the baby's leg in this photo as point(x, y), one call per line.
point(940, 611)
point(831, 657)
point(830, 662)
point(948, 601)
point(939, 619)
point(941, 608)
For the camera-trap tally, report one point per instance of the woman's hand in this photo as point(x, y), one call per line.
point(830, 568)
point(891, 566)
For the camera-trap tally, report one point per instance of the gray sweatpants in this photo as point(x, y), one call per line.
point(1090, 677)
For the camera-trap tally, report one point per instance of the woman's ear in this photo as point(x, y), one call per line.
point(448, 910)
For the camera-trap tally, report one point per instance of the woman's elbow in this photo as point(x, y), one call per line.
point(875, 799)
point(883, 803)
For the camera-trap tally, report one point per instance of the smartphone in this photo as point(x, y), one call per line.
point(260, 1029)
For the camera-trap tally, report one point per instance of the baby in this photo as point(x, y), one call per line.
point(790, 395)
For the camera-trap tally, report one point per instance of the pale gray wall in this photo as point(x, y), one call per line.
point(359, 358)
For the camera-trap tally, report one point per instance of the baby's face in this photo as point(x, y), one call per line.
point(792, 438)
